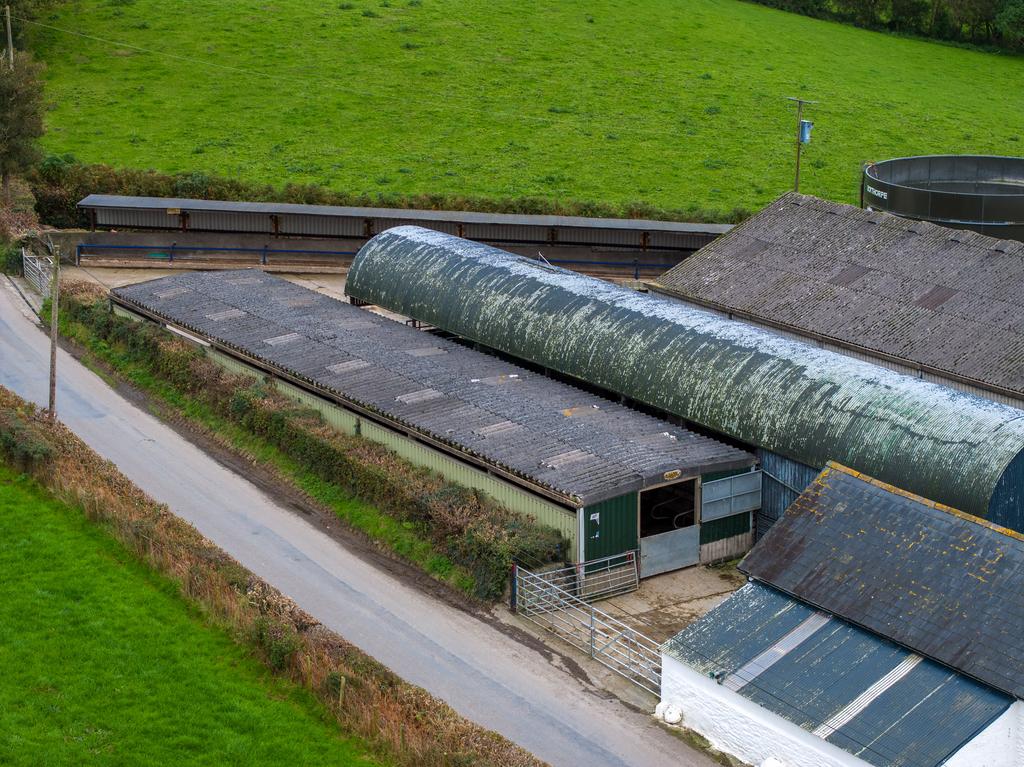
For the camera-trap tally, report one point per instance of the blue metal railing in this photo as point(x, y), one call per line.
point(157, 251)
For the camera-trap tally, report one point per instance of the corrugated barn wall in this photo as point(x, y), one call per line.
point(783, 480)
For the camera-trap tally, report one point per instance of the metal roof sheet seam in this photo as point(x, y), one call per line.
point(777, 393)
point(580, 446)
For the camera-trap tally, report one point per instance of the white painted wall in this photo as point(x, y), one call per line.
point(1001, 744)
point(742, 728)
point(749, 732)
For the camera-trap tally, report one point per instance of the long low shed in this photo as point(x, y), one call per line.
point(778, 394)
point(606, 476)
point(289, 219)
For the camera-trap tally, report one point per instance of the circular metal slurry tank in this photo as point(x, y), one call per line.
point(979, 192)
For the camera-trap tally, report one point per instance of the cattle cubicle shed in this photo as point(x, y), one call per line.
point(621, 247)
point(799, 406)
point(616, 483)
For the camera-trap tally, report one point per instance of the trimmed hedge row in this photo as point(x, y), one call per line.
point(60, 182)
point(473, 530)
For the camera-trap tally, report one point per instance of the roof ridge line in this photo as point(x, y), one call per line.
point(922, 500)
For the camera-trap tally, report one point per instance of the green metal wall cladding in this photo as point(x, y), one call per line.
point(805, 403)
point(611, 527)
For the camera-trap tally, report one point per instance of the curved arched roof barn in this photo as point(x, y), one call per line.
point(785, 396)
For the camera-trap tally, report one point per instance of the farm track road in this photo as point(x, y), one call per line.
point(484, 674)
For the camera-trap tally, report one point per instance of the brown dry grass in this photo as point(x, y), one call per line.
point(403, 721)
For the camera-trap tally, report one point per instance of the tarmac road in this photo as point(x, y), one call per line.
point(483, 673)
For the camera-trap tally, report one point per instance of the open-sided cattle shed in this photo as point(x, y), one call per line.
point(589, 467)
point(290, 219)
point(783, 396)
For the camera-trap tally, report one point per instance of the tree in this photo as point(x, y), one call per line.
point(1010, 23)
point(909, 15)
point(21, 117)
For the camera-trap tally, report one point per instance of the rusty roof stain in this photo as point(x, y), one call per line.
point(943, 583)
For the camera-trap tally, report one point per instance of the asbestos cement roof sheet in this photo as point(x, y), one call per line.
point(947, 585)
point(945, 300)
point(112, 201)
point(868, 696)
point(575, 444)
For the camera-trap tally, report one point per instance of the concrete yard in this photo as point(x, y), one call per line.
point(665, 604)
point(329, 284)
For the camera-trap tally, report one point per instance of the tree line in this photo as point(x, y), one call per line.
point(21, 108)
point(981, 22)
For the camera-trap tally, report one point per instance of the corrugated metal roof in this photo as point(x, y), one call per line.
point(509, 219)
point(783, 395)
point(574, 443)
point(852, 688)
point(943, 299)
point(945, 584)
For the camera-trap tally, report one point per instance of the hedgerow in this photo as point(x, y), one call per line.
point(22, 440)
point(60, 182)
point(475, 532)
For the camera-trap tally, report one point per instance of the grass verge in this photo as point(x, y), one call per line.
point(401, 723)
point(105, 663)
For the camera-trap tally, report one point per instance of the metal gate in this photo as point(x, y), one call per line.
point(607, 640)
point(596, 579)
point(38, 271)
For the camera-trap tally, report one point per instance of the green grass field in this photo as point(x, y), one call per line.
point(677, 103)
point(103, 662)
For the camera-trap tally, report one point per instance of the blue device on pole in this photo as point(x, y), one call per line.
point(805, 131)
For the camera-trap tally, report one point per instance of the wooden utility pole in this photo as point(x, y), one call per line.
point(799, 144)
point(10, 37)
point(54, 304)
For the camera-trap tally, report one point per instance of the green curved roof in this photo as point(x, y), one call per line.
point(805, 403)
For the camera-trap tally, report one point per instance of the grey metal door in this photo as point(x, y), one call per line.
point(669, 551)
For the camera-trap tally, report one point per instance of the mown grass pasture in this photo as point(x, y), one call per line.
point(105, 663)
point(676, 103)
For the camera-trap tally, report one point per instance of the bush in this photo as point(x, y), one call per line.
point(22, 442)
point(280, 641)
point(10, 259)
